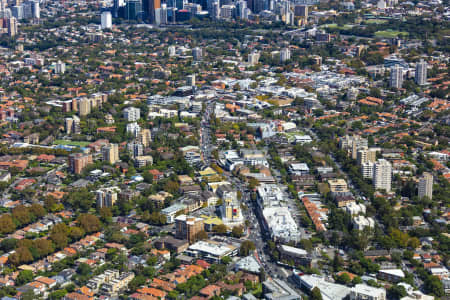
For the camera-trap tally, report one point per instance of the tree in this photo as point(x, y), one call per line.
point(24, 277)
point(316, 294)
point(396, 292)
point(220, 229)
point(58, 294)
point(22, 255)
point(226, 260)
point(59, 235)
point(83, 269)
point(21, 214)
point(76, 233)
point(201, 235)
point(344, 278)
point(433, 285)
point(37, 210)
point(105, 214)
point(7, 224)
point(237, 231)
point(43, 246)
point(246, 247)
point(89, 223)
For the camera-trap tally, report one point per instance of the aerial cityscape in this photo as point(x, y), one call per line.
point(225, 149)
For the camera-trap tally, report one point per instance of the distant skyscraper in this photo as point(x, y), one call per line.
point(285, 54)
point(197, 53)
point(152, 5)
point(133, 10)
point(301, 11)
point(190, 80)
point(382, 175)
point(35, 9)
point(426, 185)
point(253, 58)
point(171, 50)
point(241, 10)
point(396, 78)
point(60, 67)
point(12, 26)
point(106, 19)
point(421, 73)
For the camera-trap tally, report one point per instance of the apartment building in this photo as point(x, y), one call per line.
point(79, 161)
point(187, 228)
point(110, 153)
point(426, 185)
point(382, 175)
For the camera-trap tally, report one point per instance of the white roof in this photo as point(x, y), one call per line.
point(294, 250)
point(394, 272)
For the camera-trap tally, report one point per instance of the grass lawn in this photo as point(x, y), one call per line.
point(375, 21)
point(336, 26)
point(71, 143)
point(389, 33)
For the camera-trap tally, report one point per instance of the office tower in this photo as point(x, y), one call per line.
point(132, 114)
point(133, 10)
point(35, 9)
point(253, 58)
point(226, 11)
point(180, 4)
point(78, 162)
point(110, 153)
point(215, 13)
point(161, 15)
point(197, 53)
point(106, 197)
point(145, 137)
point(133, 129)
point(241, 7)
point(301, 11)
point(135, 149)
point(396, 79)
point(382, 175)
point(17, 12)
point(421, 72)
point(365, 155)
point(190, 80)
point(152, 5)
point(84, 107)
point(188, 228)
point(60, 67)
point(12, 26)
point(106, 19)
point(115, 8)
point(285, 54)
point(426, 185)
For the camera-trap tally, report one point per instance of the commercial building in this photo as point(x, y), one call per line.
point(366, 292)
point(421, 73)
point(212, 251)
point(275, 289)
point(329, 290)
point(338, 185)
point(171, 211)
point(110, 153)
point(299, 256)
point(278, 222)
point(382, 175)
point(79, 161)
point(426, 185)
point(187, 227)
